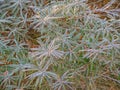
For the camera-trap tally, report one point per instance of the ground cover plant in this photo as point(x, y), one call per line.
point(59, 45)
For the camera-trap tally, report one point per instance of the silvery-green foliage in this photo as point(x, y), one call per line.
point(63, 82)
point(58, 45)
